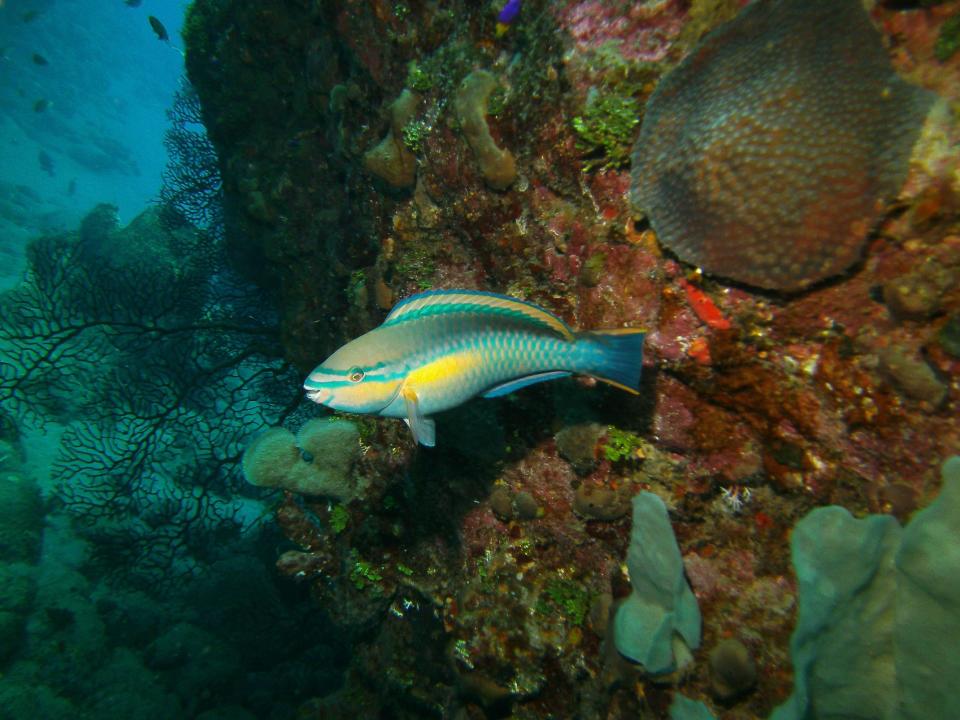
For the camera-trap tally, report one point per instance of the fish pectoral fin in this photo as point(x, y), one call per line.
point(510, 386)
point(427, 434)
point(423, 428)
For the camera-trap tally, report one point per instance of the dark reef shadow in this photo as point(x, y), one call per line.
point(476, 440)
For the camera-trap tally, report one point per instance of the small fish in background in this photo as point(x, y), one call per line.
point(72, 187)
point(39, 59)
point(131, 3)
point(46, 163)
point(158, 28)
point(41, 105)
point(507, 15)
point(438, 349)
point(29, 15)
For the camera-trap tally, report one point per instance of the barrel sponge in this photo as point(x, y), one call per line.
point(767, 155)
point(315, 461)
point(659, 622)
point(470, 103)
point(390, 159)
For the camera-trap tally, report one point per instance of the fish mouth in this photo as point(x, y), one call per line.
point(318, 395)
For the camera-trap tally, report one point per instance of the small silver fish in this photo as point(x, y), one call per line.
point(438, 349)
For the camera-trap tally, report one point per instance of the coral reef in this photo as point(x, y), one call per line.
point(21, 518)
point(477, 579)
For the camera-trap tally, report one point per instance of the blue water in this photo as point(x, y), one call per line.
point(124, 591)
point(102, 98)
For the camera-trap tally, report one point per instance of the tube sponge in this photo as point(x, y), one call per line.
point(497, 166)
point(660, 622)
point(315, 461)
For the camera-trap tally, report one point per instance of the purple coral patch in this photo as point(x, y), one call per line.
point(766, 155)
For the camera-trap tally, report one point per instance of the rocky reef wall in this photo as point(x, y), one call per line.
point(373, 149)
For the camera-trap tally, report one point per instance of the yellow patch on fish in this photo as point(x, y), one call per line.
point(444, 369)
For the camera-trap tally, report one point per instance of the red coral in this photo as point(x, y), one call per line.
point(644, 31)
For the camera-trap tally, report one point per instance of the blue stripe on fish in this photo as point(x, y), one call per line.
point(440, 302)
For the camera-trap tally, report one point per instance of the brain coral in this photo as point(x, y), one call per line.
point(315, 461)
point(767, 154)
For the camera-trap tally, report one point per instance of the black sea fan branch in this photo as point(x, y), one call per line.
point(192, 189)
point(161, 364)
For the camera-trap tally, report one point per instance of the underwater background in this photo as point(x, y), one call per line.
point(202, 203)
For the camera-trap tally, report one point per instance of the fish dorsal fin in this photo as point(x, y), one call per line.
point(441, 302)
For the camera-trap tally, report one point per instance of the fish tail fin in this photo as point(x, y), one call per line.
point(613, 356)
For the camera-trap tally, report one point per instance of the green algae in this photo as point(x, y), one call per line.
point(607, 128)
point(414, 133)
point(339, 519)
point(567, 597)
point(621, 445)
point(497, 101)
point(364, 575)
point(420, 78)
point(417, 264)
point(948, 41)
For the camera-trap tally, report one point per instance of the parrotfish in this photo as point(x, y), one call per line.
point(438, 349)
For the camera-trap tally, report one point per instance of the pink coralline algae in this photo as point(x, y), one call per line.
point(644, 30)
point(767, 154)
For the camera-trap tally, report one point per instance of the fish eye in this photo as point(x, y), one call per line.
point(355, 374)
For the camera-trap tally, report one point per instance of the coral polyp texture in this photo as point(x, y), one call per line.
point(767, 155)
point(315, 461)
